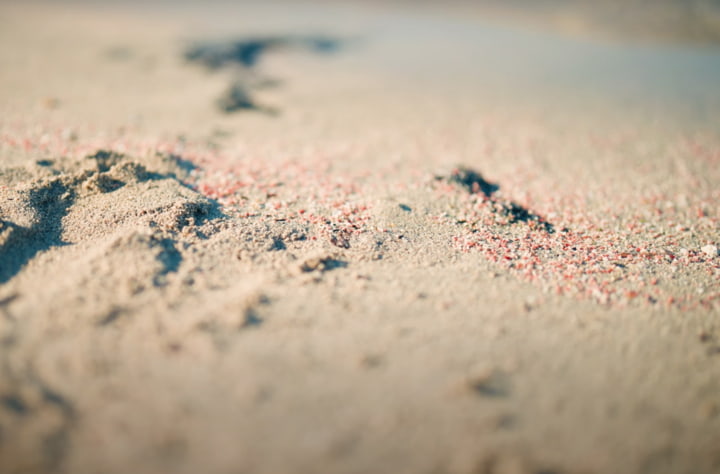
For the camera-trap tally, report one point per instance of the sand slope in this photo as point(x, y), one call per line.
point(440, 246)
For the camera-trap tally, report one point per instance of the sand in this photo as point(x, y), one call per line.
point(349, 238)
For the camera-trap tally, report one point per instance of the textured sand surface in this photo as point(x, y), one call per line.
point(366, 239)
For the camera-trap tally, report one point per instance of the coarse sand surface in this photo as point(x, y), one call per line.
point(349, 237)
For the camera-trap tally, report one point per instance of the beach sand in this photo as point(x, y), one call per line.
point(348, 238)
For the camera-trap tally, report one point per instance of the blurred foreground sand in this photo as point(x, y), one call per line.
point(322, 281)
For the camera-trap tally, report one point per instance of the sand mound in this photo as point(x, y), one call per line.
point(54, 203)
point(127, 223)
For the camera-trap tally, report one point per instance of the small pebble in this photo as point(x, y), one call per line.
point(705, 336)
point(371, 361)
point(51, 102)
point(69, 135)
point(711, 250)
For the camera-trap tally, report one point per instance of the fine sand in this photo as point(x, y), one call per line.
point(359, 238)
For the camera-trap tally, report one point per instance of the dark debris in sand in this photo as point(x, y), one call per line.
point(248, 52)
point(509, 211)
point(243, 56)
